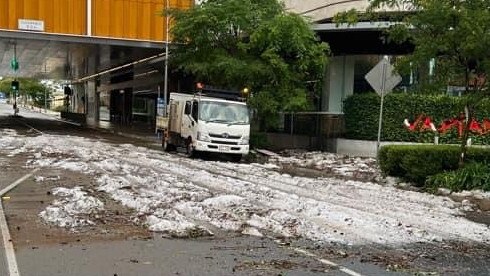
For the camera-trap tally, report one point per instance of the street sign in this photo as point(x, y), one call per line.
point(383, 79)
point(31, 25)
point(383, 75)
point(161, 107)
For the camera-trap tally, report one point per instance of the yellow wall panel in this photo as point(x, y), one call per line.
point(59, 16)
point(135, 19)
point(116, 18)
point(132, 19)
point(31, 8)
point(100, 17)
point(4, 20)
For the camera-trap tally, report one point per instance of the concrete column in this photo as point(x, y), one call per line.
point(339, 83)
point(92, 101)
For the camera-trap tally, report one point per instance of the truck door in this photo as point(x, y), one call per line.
point(189, 120)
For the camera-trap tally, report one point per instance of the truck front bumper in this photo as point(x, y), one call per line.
point(220, 148)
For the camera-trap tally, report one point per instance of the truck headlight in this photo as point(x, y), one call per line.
point(201, 136)
point(244, 141)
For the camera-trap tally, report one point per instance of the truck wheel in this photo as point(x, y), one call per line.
point(190, 152)
point(236, 157)
point(167, 147)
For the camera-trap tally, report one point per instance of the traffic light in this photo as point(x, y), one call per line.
point(15, 85)
point(68, 91)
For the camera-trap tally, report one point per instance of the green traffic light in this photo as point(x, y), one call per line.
point(15, 85)
point(14, 64)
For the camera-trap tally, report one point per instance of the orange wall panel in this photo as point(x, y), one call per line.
point(59, 16)
point(135, 19)
point(4, 20)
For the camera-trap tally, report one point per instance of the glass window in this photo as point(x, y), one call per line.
point(222, 112)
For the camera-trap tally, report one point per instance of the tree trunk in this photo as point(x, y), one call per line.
point(466, 131)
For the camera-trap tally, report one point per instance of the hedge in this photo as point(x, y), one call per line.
point(416, 163)
point(362, 114)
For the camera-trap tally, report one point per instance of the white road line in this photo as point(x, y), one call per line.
point(7, 241)
point(327, 262)
point(37, 130)
point(8, 245)
point(17, 182)
point(29, 126)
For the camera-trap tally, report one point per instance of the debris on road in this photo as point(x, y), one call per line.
point(185, 198)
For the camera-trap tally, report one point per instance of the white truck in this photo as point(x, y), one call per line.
point(203, 123)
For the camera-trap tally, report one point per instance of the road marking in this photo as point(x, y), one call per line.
point(17, 182)
point(37, 130)
point(8, 245)
point(327, 262)
point(29, 126)
point(7, 240)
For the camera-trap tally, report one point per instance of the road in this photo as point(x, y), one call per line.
point(103, 204)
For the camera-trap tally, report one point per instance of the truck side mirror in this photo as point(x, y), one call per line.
point(188, 108)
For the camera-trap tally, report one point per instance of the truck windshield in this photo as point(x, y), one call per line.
point(223, 112)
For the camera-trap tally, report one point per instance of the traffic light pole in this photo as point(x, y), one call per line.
point(16, 110)
point(15, 84)
point(165, 84)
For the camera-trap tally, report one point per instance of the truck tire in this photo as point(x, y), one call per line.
point(166, 143)
point(190, 152)
point(189, 149)
point(235, 157)
point(167, 147)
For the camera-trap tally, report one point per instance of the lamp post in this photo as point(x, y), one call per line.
point(45, 100)
point(165, 81)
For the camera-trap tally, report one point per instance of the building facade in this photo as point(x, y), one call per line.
point(125, 19)
point(354, 49)
point(110, 52)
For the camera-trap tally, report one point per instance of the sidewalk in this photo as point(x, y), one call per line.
point(41, 110)
point(135, 131)
point(141, 132)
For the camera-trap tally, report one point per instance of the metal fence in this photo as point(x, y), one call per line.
point(313, 124)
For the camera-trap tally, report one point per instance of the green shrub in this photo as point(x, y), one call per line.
point(362, 112)
point(390, 160)
point(416, 163)
point(472, 176)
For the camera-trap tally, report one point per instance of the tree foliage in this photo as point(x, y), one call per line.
point(30, 88)
point(250, 43)
point(453, 32)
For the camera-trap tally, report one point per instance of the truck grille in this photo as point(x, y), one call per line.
point(224, 135)
point(224, 142)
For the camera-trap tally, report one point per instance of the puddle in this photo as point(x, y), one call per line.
point(482, 206)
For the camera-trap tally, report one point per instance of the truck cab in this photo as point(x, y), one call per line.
point(207, 124)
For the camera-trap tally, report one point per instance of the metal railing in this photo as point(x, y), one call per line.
point(313, 124)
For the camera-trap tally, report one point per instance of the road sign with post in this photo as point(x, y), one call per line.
point(383, 79)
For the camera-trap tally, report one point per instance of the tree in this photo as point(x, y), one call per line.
point(455, 33)
point(254, 44)
point(30, 88)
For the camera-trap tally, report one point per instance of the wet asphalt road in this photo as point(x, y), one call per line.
point(223, 255)
point(220, 255)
